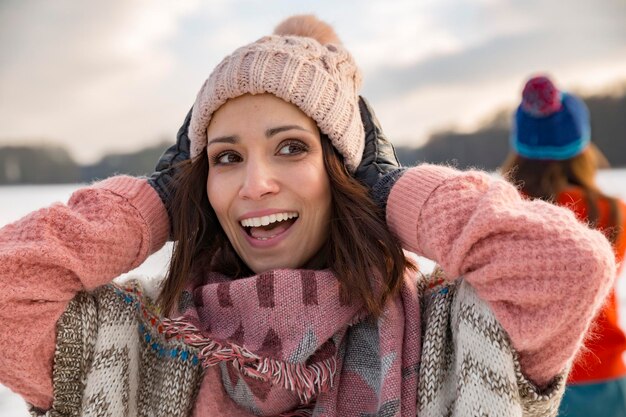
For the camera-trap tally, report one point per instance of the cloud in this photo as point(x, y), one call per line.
point(581, 45)
point(121, 75)
point(526, 37)
point(64, 39)
point(79, 71)
point(500, 57)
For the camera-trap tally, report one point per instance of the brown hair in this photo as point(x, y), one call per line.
point(359, 243)
point(547, 179)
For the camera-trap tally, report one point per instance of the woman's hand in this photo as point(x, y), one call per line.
point(161, 178)
point(379, 156)
point(379, 169)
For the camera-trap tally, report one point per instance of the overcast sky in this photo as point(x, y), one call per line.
point(120, 75)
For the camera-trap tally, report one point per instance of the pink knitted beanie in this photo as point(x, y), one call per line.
point(302, 63)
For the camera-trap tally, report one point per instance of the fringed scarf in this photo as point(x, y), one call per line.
point(287, 345)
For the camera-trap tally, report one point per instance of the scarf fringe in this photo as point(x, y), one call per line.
point(306, 380)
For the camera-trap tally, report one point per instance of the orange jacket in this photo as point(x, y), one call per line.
point(602, 357)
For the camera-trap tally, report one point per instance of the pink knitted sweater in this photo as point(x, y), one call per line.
point(543, 273)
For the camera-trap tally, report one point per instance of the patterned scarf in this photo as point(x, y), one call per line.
point(287, 345)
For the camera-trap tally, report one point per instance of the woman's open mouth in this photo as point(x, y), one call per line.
point(268, 227)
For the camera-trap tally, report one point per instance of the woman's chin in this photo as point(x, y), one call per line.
point(318, 261)
point(261, 267)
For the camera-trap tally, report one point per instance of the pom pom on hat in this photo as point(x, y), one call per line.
point(549, 124)
point(304, 64)
point(540, 97)
point(307, 26)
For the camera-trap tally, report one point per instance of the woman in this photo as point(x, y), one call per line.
point(288, 293)
point(554, 160)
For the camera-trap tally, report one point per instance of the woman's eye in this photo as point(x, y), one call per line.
point(292, 148)
point(226, 158)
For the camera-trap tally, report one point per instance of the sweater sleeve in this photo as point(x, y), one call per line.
point(51, 254)
point(543, 273)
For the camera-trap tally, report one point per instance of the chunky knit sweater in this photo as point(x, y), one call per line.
point(113, 358)
point(541, 273)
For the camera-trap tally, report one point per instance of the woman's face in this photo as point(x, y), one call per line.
point(267, 182)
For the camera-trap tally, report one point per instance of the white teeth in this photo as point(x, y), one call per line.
point(265, 220)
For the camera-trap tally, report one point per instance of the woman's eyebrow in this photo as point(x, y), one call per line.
point(233, 139)
point(275, 130)
point(224, 139)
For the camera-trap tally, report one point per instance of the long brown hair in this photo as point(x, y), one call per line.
point(547, 179)
point(360, 248)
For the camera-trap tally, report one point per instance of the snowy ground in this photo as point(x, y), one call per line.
point(18, 201)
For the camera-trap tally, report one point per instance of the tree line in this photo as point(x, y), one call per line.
point(485, 148)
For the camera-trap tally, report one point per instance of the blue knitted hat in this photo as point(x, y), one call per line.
point(549, 124)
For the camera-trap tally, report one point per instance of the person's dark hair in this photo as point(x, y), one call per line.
point(547, 179)
point(359, 242)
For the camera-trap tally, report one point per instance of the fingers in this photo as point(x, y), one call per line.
point(182, 138)
point(165, 161)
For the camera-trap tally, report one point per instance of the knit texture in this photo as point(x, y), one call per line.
point(468, 367)
point(540, 97)
point(111, 360)
point(134, 363)
point(273, 359)
point(380, 191)
point(53, 253)
point(549, 124)
point(542, 273)
point(322, 80)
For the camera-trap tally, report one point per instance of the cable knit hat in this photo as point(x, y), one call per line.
point(549, 124)
point(302, 63)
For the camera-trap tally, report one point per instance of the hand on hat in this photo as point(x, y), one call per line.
point(379, 169)
point(379, 155)
point(161, 178)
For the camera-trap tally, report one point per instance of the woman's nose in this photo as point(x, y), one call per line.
point(259, 181)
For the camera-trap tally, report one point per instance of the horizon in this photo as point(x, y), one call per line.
point(615, 89)
point(121, 78)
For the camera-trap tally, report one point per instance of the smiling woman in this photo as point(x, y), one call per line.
point(289, 293)
point(275, 191)
point(274, 166)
